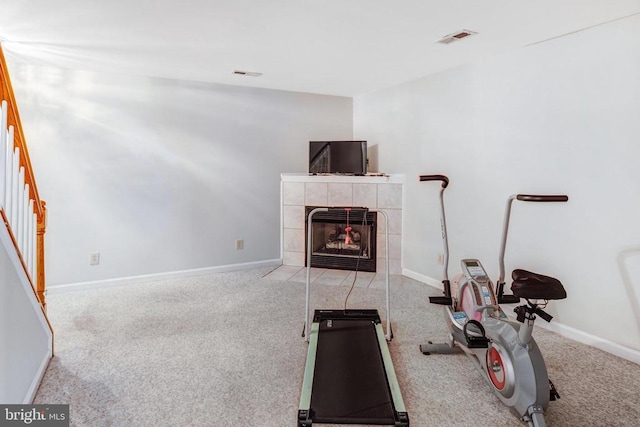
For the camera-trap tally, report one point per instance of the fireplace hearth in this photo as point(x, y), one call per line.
point(343, 239)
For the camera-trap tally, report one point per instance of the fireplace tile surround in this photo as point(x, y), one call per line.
point(375, 192)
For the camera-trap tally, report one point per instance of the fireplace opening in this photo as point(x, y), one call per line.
point(342, 243)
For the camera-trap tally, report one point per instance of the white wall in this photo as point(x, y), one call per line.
point(160, 175)
point(25, 338)
point(558, 117)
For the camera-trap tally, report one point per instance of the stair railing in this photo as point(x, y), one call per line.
point(21, 209)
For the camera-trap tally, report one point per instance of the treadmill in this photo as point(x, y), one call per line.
point(349, 376)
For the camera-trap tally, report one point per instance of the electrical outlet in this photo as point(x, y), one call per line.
point(94, 258)
point(440, 259)
point(239, 245)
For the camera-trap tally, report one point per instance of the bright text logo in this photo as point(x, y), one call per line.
point(34, 415)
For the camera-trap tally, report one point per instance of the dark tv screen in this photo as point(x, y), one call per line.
point(340, 157)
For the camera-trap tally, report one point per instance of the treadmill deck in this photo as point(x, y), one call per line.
point(349, 379)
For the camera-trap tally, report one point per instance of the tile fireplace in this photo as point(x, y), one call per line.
point(300, 191)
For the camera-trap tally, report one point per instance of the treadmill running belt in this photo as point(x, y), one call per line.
point(352, 388)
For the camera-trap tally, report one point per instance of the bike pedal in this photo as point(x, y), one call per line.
point(477, 342)
point(475, 337)
point(441, 300)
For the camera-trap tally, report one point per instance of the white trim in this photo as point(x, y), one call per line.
point(35, 384)
point(81, 286)
point(611, 347)
point(393, 178)
point(422, 278)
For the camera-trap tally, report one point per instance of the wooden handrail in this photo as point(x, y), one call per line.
point(39, 206)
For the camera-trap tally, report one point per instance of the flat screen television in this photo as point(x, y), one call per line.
point(339, 157)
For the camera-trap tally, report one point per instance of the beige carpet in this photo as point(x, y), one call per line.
point(225, 350)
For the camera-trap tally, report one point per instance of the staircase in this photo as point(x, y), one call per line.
point(26, 336)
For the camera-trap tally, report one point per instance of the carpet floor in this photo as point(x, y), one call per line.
point(226, 350)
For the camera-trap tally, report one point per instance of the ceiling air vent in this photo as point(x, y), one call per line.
point(456, 36)
point(247, 73)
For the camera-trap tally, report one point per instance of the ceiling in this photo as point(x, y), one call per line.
point(337, 47)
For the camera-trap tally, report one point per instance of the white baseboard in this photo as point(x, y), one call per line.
point(422, 278)
point(37, 379)
point(593, 341)
point(611, 347)
point(80, 286)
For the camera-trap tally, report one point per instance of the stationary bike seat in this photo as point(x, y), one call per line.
point(530, 285)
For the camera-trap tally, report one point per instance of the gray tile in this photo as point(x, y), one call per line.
point(284, 272)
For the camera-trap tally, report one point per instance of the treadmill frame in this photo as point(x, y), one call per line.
point(305, 412)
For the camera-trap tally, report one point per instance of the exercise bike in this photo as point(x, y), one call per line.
point(503, 351)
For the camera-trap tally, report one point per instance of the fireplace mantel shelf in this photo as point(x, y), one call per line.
point(351, 179)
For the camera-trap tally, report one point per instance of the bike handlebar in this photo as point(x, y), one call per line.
point(444, 179)
point(538, 198)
